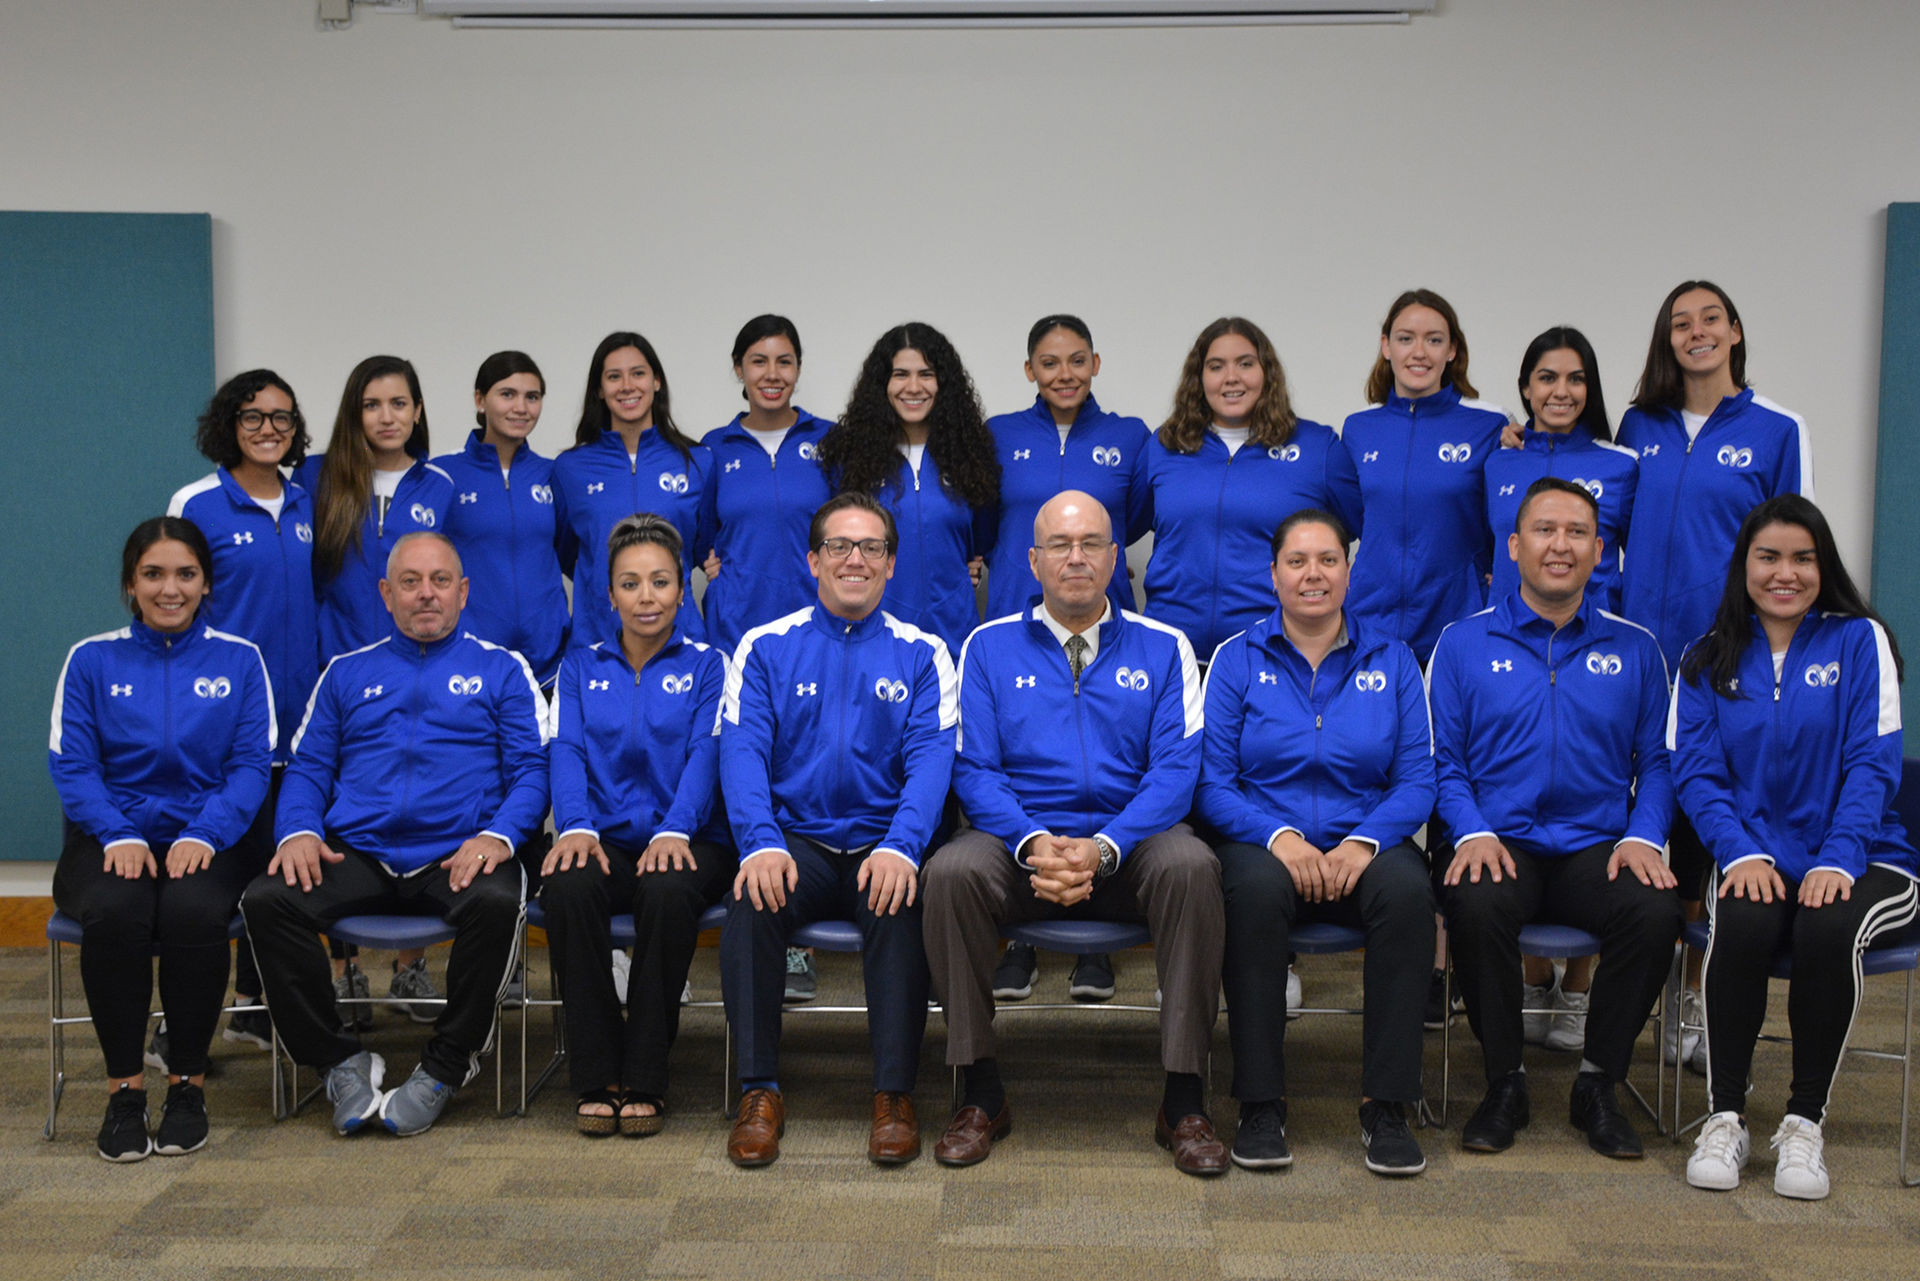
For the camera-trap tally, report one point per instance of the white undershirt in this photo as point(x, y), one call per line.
point(913, 454)
point(771, 440)
point(273, 506)
point(1061, 632)
point(1063, 435)
point(1232, 437)
point(1693, 423)
point(1779, 665)
point(385, 485)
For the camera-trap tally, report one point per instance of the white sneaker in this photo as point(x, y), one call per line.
point(1680, 1047)
point(1720, 1153)
point(1295, 999)
point(622, 966)
point(1534, 1027)
point(1569, 1028)
point(1801, 1172)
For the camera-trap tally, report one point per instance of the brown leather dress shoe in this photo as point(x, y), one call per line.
point(896, 1130)
point(757, 1127)
point(1196, 1149)
point(971, 1135)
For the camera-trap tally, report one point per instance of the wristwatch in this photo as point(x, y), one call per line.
point(1109, 858)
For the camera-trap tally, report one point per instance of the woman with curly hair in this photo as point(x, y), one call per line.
point(1231, 462)
point(913, 436)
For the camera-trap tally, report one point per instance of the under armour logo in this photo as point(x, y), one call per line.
point(303, 532)
point(470, 497)
point(1593, 487)
point(1025, 682)
point(1819, 677)
point(119, 691)
point(244, 536)
point(542, 494)
point(599, 684)
point(1456, 453)
point(1021, 455)
point(1649, 451)
point(1733, 685)
point(674, 482)
point(1107, 456)
point(218, 687)
point(804, 688)
point(732, 466)
point(1731, 457)
point(1129, 678)
point(597, 486)
point(677, 684)
point(890, 691)
point(463, 684)
point(1371, 456)
point(371, 690)
point(1503, 664)
point(1285, 453)
point(1370, 681)
point(1505, 490)
point(1268, 678)
point(1603, 664)
point(422, 515)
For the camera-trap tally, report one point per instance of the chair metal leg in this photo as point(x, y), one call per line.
point(1907, 1178)
point(1446, 1046)
point(56, 1037)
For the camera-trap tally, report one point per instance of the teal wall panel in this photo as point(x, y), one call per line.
point(1896, 525)
point(106, 358)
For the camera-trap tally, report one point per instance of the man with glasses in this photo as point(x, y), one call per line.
point(836, 748)
point(1079, 751)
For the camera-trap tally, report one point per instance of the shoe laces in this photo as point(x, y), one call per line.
point(1719, 1138)
point(796, 961)
point(757, 1107)
point(1268, 1118)
point(127, 1106)
point(1389, 1118)
point(1799, 1144)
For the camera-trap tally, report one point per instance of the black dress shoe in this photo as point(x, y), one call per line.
point(1595, 1109)
point(1504, 1112)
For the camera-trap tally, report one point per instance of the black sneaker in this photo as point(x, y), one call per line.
point(123, 1135)
point(183, 1120)
point(1013, 977)
point(1501, 1114)
point(1595, 1110)
point(803, 977)
point(1391, 1147)
point(251, 1027)
point(1092, 978)
point(1261, 1142)
point(1439, 1007)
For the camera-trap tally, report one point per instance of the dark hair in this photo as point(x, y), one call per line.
point(160, 529)
point(1716, 655)
point(1307, 516)
point(858, 501)
point(499, 367)
point(346, 473)
point(1555, 485)
point(217, 436)
point(640, 530)
point(1662, 386)
point(1380, 379)
point(759, 329)
point(594, 416)
point(1060, 320)
point(1565, 337)
point(1272, 416)
point(862, 450)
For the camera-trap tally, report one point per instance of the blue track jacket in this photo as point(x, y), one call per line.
point(1423, 560)
point(1097, 457)
point(351, 611)
point(263, 583)
point(408, 750)
point(1342, 752)
point(1115, 754)
point(1800, 771)
point(840, 732)
point(636, 755)
point(1213, 518)
point(763, 506)
point(1552, 741)
point(1691, 500)
point(1609, 472)
point(506, 532)
point(595, 487)
point(158, 738)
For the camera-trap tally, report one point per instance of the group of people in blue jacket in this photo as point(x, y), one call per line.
point(1603, 679)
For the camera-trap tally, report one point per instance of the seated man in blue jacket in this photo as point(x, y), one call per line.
point(420, 765)
point(836, 748)
point(1079, 750)
point(1549, 720)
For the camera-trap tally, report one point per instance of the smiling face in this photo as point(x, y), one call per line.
point(168, 586)
point(511, 408)
point(769, 371)
point(1783, 574)
point(1702, 334)
point(1062, 367)
point(911, 387)
point(1310, 573)
point(1418, 346)
point(424, 588)
point(851, 586)
point(1231, 379)
point(1557, 547)
point(645, 592)
point(628, 385)
point(1557, 390)
point(388, 413)
point(266, 442)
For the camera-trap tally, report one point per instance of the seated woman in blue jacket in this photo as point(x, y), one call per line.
point(163, 736)
point(1316, 769)
point(1785, 734)
point(634, 766)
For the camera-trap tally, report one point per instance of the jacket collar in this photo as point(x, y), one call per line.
point(806, 427)
point(844, 629)
point(1439, 402)
point(405, 644)
point(163, 642)
point(291, 495)
point(1514, 617)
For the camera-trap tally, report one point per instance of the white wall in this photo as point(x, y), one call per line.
point(404, 186)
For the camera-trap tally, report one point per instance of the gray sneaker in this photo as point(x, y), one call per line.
point(412, 983)
point(352, 985)
point(416, 1105)
point(353, 1087)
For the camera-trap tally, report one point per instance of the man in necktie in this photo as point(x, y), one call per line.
point(1079, 750)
